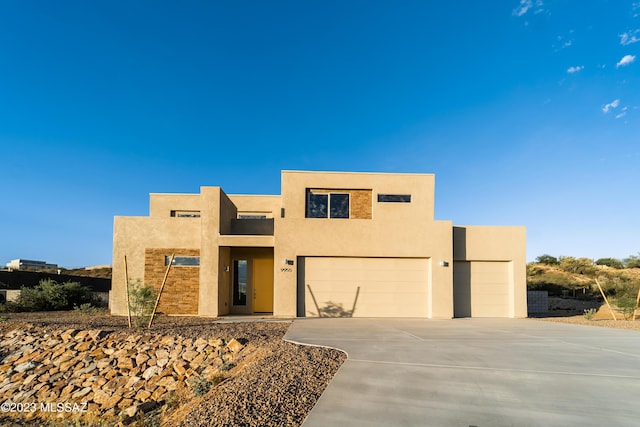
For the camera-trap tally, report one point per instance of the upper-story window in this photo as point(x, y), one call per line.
point(185, 214)
point(254, 214)
point(394, 198)
point(183, 261)
point(327, 204)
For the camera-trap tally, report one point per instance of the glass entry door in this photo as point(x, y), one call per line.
point(240, 269)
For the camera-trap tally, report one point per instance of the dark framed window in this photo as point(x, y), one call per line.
point(394, 198)
point(327, 205)
point(246, 216)
point(339, 205)
point(240, 282)
point(183, 261)
point(185, 214)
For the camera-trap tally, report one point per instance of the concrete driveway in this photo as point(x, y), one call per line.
point(475, 372)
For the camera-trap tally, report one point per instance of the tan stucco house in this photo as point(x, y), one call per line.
point(331, 244)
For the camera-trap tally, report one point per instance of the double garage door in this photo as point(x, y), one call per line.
point(481, 289)
point(364, 287)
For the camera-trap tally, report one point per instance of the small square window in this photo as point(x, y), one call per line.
point(339, 205)
point(317, 205)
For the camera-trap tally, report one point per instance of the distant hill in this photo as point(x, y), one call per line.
point(103, 273)
point(558, 281)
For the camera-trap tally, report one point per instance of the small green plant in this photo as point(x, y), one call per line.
point(200, 386)
point(626, 305)
point(86, 308)
point(589, 313)
point(227, 366)
point(142, 299)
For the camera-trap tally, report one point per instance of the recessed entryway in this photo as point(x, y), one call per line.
point(251, 280)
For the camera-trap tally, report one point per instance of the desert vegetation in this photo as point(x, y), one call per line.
point(567, 276)
point(50, 295)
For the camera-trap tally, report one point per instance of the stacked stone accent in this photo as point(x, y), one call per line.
point(106, 373)
point(361, 202)
point(180, 293)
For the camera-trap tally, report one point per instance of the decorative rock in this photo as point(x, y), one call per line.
point(162, 354)
point(81, 393)
point(143, 395)
point(235, 346)
point(180, 367)
point(113, 372)
point(132, 381)
point(189, 355)
point(23, 367)
point(126, 363)
point(150, 372)
point(100, 397)
point(111, 402)
point(141, 358)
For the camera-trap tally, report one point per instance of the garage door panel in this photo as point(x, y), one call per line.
point(388, 287)
point(481, 289)
point(489, 289)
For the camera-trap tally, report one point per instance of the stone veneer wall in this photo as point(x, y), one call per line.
point(180, 293)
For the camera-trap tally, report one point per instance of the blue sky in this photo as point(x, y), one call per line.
point(527, 111)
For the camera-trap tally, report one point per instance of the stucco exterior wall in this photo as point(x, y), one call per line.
point(500, 244)
point(395, 230)
point(269, 205)
point(161, 205)
point(211, 199)
point(131, 237)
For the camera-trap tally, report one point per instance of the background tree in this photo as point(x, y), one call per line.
point(633, 261)
point(547, 259)
point(610, 262)
point(577, 265)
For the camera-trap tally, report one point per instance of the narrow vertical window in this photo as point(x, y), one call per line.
point(339, 206)
point(240, 282)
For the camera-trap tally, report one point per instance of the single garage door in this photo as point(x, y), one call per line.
point(363, 287)
point(481, 289)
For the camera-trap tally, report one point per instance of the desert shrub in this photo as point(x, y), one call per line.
point(49, 295)
point(626, 305)
point(610, 262)
point(547, 259)
point(142, 299)
point(577, 265)
point(200, 386)
point(557, 283)
point(589, 313)
point(633, 261)
point(534, 269)
point(618, 284)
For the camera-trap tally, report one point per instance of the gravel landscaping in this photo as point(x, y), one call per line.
point(274, 383)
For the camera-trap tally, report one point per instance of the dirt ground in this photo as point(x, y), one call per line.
point(569, 310)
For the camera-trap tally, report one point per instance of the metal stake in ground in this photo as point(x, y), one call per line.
point(153, 313)
point(606, 300)
point(637, 302)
